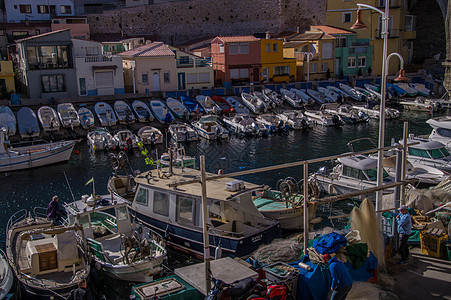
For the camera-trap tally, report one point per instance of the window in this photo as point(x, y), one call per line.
point(281, 70)
point(313, 68)
point(351, 62)
point(244, 73)
point(221, 48)
point(20, 33)
point(362, 61)
point(185, 209)
point(53, 83)
point(145, 78)
point(347, 17)
point(204, 77)
point(25, 9)
point(161, 204)
point(104, 79)
point(418, 152)
point(32, 56)
point(92, 51)
point(340, 42)
point(141, 197)
point(327, 50)
point(121, 213)
point(234, 73)
point(443, 132)
point(66, 9)
point(409, 23)
point(191, 78)
point(268, 47)
point(234, 48)
point(43, 9)
point(324, 67)
point(166, 77)
point(37, 31)
point(82, 82)
point(275, 47)
point(244, 48)
point(184, 59)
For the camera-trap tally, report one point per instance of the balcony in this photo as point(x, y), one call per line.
point(194, 62)
point(301, 56)
point(393, 3)
point(96, 59)
point(392, 33)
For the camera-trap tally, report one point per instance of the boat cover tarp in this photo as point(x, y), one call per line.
point(67, 248)
point(330, 243)
point(27, 120)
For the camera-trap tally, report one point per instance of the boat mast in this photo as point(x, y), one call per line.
point(205, 224)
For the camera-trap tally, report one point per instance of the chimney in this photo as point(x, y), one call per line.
point(268, 35)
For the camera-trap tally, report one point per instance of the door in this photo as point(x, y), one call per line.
point(181, 81)
point(256, 75)
point(337, 66)
point(265, 74)
point(156, 81)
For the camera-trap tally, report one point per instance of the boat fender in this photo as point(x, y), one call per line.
point(218, 252)
point(220, 172)
point(98, 266)
point(305, 266)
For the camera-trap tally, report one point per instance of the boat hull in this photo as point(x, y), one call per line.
point(290, 218)
point(139, 272)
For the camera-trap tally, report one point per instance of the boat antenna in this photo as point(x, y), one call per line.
point(70, 190)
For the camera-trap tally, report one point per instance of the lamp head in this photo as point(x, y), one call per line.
point(401, 77)
point(359, 24)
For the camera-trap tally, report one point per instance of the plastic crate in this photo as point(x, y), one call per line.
point(433, 245)
point(282, 272)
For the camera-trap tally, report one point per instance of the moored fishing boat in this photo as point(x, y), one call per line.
point(160, 111)
point(177, 108)
point(142, 111)
point(100, 139)
point(125, 139)
point(150, 135)
point(105, 114)
point(323, 118)
point(255, 104)
point(208, 127)
point(241, 124)
point(181, 132)
point(353, 93)
point(421, 104)
point(292, 98)
point(8, 120)
point(428, 153)
point(178, 157)
point(272, 96)
point(209, 106)
point(237, 105)
point(347, 113)
point(225, 106)
point(330, 95)
point(123, 112)
point(295, 119)
point(28, 123)
point(48, 261)
point(421, 89)
point(48, 118)
point(374, 112)
point(86, 117)
point(272, 122)
point(68, 115)
point(441, 130)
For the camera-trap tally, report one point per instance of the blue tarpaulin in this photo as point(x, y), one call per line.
point(330, 243)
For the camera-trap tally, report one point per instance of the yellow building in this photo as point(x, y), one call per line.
point(7, 76)
point(274, 67)
point(401, 28)
point(314, 54)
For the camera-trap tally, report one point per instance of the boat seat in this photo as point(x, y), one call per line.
point(260, 202)
point(112, 246)
point(120, 187)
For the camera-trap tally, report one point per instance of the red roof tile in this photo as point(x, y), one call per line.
point(332, 29)
point(152, 49)
point(238, 39)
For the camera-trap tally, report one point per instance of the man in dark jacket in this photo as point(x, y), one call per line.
point(53, 211)
point(83, 292)
point(341, 280)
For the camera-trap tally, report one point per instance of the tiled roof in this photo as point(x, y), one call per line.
point(309, 36)
point(238, 39)
point(332, 30)
point(152, 49)
point(41, 35)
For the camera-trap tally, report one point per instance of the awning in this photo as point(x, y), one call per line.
point(104, 67)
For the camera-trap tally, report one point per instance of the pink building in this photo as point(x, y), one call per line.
point(236, 59)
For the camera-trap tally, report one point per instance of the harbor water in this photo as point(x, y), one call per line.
point(34, 188)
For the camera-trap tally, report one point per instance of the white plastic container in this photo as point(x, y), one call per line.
point(234, 186)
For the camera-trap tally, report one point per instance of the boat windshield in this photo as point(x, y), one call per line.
point(444, 132)
point(372, 174)
point(418, 152)
point(438, 153)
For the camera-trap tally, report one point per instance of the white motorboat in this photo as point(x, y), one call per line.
point(105, 114)
point(303, 96)
point(33, 154)
point(28, 123)
point(428, 153)
point(123, 112)
point(317, 96)
point(373, 90)
point(330, 95)
point(237, 105)
point(441, 130)
point(421, 89)
point(48, 118)
point(367, 95)
point(123, 251)
point(8, 120)
point(337, 91)
point(272, 122)
point(255, 104)
point(241, 124)
point(150, 135)
point(86, 117)
point(179, 158)
point(353, 173)
point(160, 111)
point(269, 103)
point(272, 96)
point(209, 106)
point(142, 111)
point(347, 113)
point(292, 98)
point(100, 139)
point(181, 132)
point(374, 112)
point(47, 260)
point(208, 127)
point(236, 229)
point(323, 118)
point(411, 92)
point(125, 139)
point(421, 104)
point(7, 277)
point(295, 119)
point(177, 108)
point(353, 93)
point(68, 115)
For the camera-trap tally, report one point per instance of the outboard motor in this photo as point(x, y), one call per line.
point(322, 170)
point(335, 119)
point(255, 127)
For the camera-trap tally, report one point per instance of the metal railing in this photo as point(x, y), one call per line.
point(99, 58)
point(193, 62)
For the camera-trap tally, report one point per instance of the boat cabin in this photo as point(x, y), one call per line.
point(359, 167)
point(428, 149)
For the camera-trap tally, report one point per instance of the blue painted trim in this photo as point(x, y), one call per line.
point(92, 92)
point(119, 91)
point(206, 92)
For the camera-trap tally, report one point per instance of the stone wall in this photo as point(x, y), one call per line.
point(179, 22)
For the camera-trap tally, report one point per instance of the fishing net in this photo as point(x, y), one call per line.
point(280, 250)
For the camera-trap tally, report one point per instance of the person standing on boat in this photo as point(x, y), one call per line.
point(83, 292)
point(53, 211)
point(404, 229)
point(341, 280)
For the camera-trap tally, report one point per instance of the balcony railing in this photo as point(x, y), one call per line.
point(194, 62)
point(100, 58)
point(392, 33)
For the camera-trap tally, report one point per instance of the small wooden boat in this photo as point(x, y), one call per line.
point(396, 90)
point(8, 120)
point(302, 95)
point(181, 132)
point(100, 139)
point(317, 96)
point(323, 118)
point(209, 106)
point(208, 127)
point(241, 124)
point(421, 89)
point(86, 117)
point(125, 139)
point(150, 135)
point(177, 108)
point(7, 277)
point(272, 96)
point(68, 115)
point(295, 119)
point(47, 260)
point(348, 114)
point(123, 112)
point(48, 118)
point(105, 114)
point(192, 105)
point(255, 104)
point(330, 95)
point(142, 111)
point(374, 112)
point(28, 123)
point(410, 91)
point(373, 89)
point(269, 103)
point(123, 251)
point(239, 108)
point(225, 106)
point(160, 111)
point(353, 93)
point(272, 122)
point(292, 98)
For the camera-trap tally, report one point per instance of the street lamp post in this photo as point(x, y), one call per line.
point(132, 64)
point(308, 62)
point(359, 25)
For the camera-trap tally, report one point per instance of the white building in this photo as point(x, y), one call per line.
point(37, 10)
